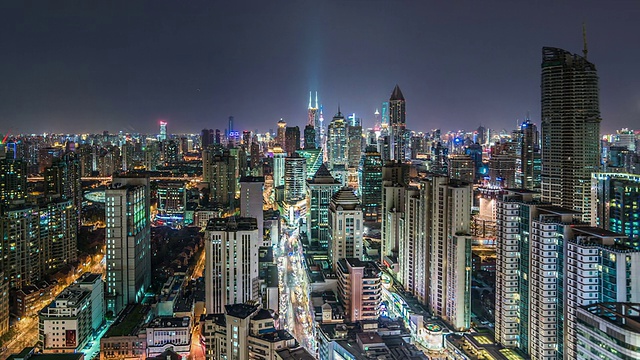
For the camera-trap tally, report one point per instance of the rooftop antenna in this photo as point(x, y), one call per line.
point(585, 50)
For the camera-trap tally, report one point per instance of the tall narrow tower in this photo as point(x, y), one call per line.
point(570, 129)
point(314, 120)
point(397, 124)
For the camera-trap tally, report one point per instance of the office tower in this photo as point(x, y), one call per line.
point(281, 136)
point(172, 200)
point(449, 202)
point(128, 255)
point(58, 234)
point(256, 158)
point(384, 148)
point(598, 269)
point(309, 137)
point(439, 163)
point(354, 146)
point(570, 129)
point(314, 160)
point(481, 135)
point(337, 141)
point(127, 150)
point(222, 174)
point(315, 122)
point(231, 269)
point(163, 131)
point(616, 200)
point(371, 185)
point(279, 156)
point(397, 124)
point(20, 246)
point(528, 161)
point(13, 181)
point(65, 324)
point(152, 158)
point(461, 167)
point(291, 139)
point(608, 331)
point(359, 288)
point(251, 202)
point(346, 226)
point(395, 176)
point(295, 176)
point(85, 153)
point(4, 304)
point(320, 189)
point(63, 180)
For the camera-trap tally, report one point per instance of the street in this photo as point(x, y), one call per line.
point(295, 306)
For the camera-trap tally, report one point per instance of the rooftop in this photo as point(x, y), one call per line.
point(169, 322)
point(129, 321)
point(232, 224)
point(295, 354)
point(29, 353)
point(241, 311)
point(88, 278)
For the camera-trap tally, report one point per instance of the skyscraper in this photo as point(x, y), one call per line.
point(163, 131)
point(397, 124)
point(309, 137)
point(291, 139)
point(295, 176)
point(616, 200)
point(281, 136)
point(320, 189)
point(231, 269)
point(128, 255)
point(570, 129)
point(314, 121)
point(528, 162)
point(337, 141)
point(251, 201)
point(371, 185)
point(346, 226)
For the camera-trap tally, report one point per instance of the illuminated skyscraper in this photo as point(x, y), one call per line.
point(337, 141)
point(314, 121)
point(309, 137)
point(616, 204)
point(346, 226)
point(570, 129)
point(528, 161)
point(163, 131)
point(128, 232)
point(281, 136)
point(371, 185)
point(397, 124)
point(291, 139)
point(320, 189)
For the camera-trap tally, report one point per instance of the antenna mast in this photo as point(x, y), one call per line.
point(585, 50)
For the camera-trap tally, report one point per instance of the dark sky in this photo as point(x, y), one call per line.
point(89, 66)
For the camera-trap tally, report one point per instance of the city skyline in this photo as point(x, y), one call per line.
point(161, 62)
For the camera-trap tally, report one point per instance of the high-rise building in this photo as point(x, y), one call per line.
point(13, 181)
point(528, 161)
point(295, 176)
point(346, 226)
point(337, 141)
point(314, 121)
point(163, 131)
point(58, 234)
point(65, 324)
point(309, 137)
point(279, 156)
point(128, 233)
point(359, 288)
point(371, 185)
point(20, 250)
point(291, 139)
point(616, 200)
point(449, 202)
point(570, 129)
point(354, 146)
point(394, 179)
point(281, 136)
point(320, 189)
point(231, 269)
point(397, 124)
point(461, 167)
point(251, 202)
point(221, 170)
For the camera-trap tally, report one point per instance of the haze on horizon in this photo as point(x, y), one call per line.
point(79, 67)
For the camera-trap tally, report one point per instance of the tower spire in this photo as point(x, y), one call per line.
point(316, 99)
point(309, 99)
point(585, 50)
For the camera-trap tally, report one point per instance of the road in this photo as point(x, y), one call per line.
point(295, 305)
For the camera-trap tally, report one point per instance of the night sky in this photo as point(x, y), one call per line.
point(90, 66)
